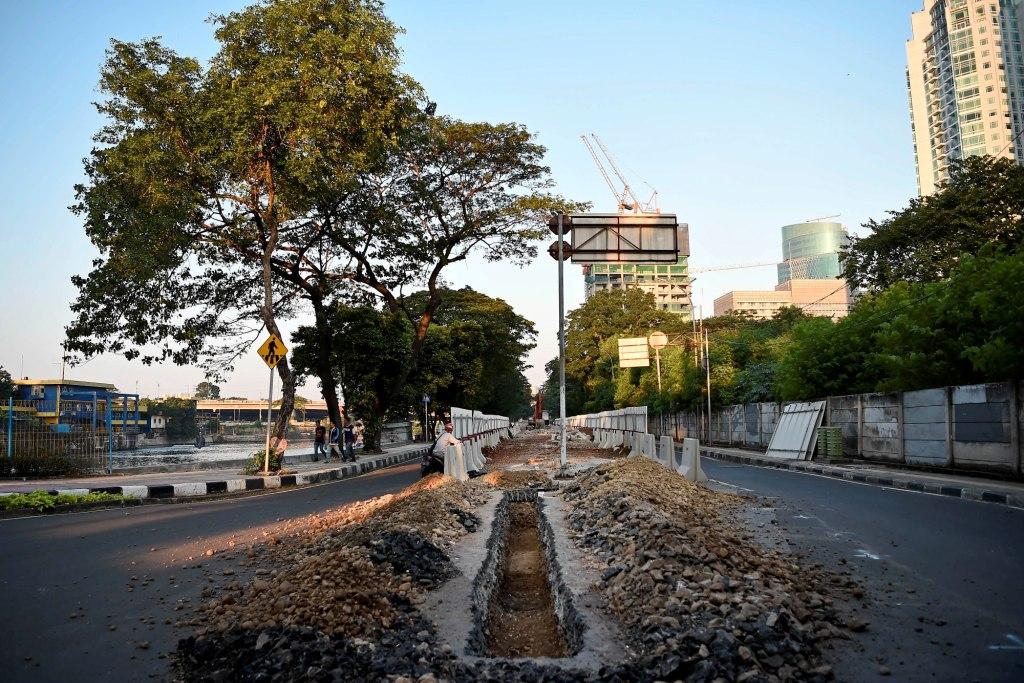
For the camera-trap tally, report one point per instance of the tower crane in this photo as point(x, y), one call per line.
point(625, 199)
point(731, 266)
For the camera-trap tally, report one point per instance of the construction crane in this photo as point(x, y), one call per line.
point(822, 218)
point(625, 199)
point(731, 266)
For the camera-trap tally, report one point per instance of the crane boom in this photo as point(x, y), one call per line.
point(732, 266)
point(627, 191)
point(604, 172)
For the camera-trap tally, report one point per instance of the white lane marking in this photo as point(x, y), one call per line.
point(801, 517)
point(864, 553)
point(1015, 643)
point(732, 486)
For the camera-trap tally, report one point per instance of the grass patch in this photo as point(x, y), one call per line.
point(41, 501)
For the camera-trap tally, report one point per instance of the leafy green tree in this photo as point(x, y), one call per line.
point(6, 384)
point(475, 353)
point(369, 350)
point(206, 390)
point(180, 414)
point(982, 204)
point(211, 191)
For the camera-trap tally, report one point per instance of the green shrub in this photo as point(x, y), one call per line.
point(41, 501)
point(256, 462)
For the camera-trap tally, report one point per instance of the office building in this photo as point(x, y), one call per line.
point(965, 80)
point(810, 251)
point(827, 298)
point(669, 283)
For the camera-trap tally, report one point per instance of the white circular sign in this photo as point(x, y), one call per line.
point(658, 340)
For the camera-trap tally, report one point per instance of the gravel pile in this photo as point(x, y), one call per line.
point(412, 554)
point(699, 599)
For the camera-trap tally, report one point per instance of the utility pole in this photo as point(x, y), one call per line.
point(707, 366)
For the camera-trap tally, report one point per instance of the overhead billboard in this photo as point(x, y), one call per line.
point(628, 238)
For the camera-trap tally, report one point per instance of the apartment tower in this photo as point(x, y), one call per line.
point(965, 77)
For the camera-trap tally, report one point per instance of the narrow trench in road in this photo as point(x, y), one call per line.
point(521, 616)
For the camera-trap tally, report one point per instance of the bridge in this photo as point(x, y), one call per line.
point(251, 411)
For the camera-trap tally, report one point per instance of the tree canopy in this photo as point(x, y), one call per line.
point(206, 390)
point(981, 205)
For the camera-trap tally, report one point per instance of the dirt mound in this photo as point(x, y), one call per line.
point(503, 479)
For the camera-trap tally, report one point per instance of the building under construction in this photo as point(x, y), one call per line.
point(669, 283)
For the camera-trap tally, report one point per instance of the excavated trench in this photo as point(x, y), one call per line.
point(522, 607)
point(521, 617)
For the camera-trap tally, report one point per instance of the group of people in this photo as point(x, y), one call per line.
point(336, 442)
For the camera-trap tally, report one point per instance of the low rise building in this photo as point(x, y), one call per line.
point(827, 298)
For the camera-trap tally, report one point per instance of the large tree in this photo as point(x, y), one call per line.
point(211, 192)
point(982, 204)
point(473, 357)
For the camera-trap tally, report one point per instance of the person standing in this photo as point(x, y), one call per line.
point(319, 442)
point(335, 448)
point(350, 440)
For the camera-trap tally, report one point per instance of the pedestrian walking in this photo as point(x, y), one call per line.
point(319, 442)
point(350, 440)
point(334, 439)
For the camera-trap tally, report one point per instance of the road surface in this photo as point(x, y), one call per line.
point(943, 577)
point(71, 608)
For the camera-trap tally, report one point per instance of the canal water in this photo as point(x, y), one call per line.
point(184, 454)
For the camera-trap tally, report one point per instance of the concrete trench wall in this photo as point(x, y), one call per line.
point(570, 622)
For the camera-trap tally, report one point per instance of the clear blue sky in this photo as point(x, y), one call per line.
point(745, 116)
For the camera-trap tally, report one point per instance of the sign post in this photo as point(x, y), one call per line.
point(426, 417)
point(271, 351)
point(560, 251)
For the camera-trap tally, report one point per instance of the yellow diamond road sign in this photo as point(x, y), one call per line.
point(273, 350)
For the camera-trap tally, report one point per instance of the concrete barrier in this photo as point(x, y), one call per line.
point(666, 454)
point(689, 462)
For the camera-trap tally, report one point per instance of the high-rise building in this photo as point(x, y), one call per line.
point(810, 251)
point(669, 283)
point(965, 77)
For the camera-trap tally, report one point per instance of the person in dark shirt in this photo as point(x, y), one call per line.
point(319, 441)
point(335, 446)
point(350, 440)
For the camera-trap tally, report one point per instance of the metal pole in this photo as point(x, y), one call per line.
point(10, 431)
point(270, 407)
point(707, 366)
point(110, 431)
point(657, 361)
point(563, 457)
point(426, 420)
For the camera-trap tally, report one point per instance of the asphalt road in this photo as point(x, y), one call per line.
point(71, 609)
point(943, 577)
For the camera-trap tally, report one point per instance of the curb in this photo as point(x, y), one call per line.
point(975, 493)
point(247, 483)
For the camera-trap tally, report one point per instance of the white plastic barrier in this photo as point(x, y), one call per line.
point(455, 463)
point(468, 422)
point(689, 462)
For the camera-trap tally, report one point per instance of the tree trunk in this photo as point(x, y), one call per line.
point(284, 412)
point(322, 361)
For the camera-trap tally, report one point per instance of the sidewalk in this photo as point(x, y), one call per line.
point(956, 485)
point(216, 481)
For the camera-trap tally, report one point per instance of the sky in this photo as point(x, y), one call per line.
point(745, 115)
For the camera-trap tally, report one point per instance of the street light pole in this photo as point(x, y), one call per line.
point(563, 456)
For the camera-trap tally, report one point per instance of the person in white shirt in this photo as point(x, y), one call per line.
point(446, 439)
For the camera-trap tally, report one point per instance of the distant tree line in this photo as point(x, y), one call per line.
point(938, 304)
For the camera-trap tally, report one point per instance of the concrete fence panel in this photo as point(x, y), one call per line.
point(844, 412)
point(880, 429)
point(926, 437)
point(986, 427)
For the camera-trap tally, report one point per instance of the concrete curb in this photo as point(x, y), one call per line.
point(894, 480)
point(248, 483)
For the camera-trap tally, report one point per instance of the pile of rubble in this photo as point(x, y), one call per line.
point(700, 599)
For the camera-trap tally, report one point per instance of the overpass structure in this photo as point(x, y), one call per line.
point(252, 411)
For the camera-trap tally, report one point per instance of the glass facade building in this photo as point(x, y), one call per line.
point(965, 83)
point(810, 251)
